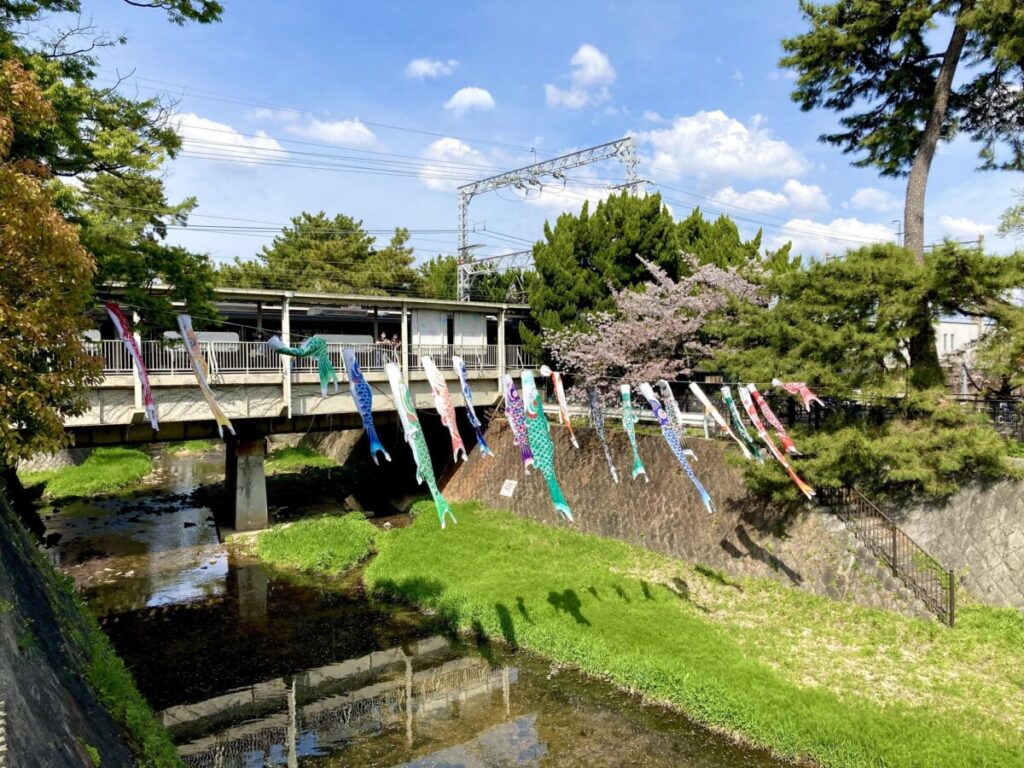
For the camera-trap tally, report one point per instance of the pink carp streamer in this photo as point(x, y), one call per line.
point(771, 418)
point(443, 404)
point(195, 356)
point(124, 332)
point(563, 405)
point(801, 390)
point(748, 405)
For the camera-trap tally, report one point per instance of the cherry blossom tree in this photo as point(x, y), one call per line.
point(657, 330)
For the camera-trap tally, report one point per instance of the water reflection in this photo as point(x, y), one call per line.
point(249, 667)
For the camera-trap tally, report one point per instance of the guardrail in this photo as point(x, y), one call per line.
point(169, 357)
point(911, 563)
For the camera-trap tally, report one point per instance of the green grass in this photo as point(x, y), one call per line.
point(115, 688)
point(105, 470)
point(806, 676)
point(328, 544)
point(1015, 450)
point(190, 446)
point(296, 459)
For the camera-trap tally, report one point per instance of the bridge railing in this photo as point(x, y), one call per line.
point(169, 357)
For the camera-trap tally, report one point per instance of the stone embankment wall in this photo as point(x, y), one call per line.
point(48, 715)
point(979, 532)
point(808, 550)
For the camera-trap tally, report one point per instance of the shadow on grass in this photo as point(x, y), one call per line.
point(569, 602)
point(717, 577)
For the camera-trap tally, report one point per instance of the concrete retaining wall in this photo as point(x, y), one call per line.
point(979, 532)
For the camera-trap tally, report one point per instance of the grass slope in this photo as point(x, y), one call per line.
point(324, 545)
point(188, 447)
point(105, 470)
point(296, 459)
point(801, 674)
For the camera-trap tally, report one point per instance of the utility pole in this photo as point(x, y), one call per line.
point(530, 176)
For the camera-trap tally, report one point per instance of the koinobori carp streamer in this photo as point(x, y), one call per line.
point(127, 336)
point(413, 431)
point(362, 394)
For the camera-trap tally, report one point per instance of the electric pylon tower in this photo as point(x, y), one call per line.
point(525, 178)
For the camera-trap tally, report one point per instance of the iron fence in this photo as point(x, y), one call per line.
point(911, 563)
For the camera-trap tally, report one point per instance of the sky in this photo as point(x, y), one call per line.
point(380, 110)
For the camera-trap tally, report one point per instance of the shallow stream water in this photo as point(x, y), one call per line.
point(249, 667)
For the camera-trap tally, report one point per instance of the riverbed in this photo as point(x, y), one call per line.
point(251, 667)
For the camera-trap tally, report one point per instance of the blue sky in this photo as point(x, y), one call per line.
point(697, 84)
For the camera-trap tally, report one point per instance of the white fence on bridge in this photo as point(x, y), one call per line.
point(169, 357)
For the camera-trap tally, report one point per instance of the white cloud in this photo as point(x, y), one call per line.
point(961, 226)
point(653, 117)
point(418, 69)
point(277, 115)
point(592, 74)
point(348, 133)
point(874, 199)
point(469, 98)
point(738, 77)
point(793, 195)
point(760, 200)
point(807, 197)
point(812, 238)
point(558, 199)
point(712, 143)
point(198, 133)
point(445, 151)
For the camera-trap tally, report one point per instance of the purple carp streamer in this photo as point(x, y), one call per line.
point(315, 348)
point(467, 394)
point(597, 418)
point(416, 440)
point(723, 425)
point(541, 444)
point(669, 433)
point(195, 356)
point(563, 405)
point(629, 422)
point(801, 390)
point(443, 403)
point(363, 397)
point(124, 332)
point(748, 405)
point(741, 428)
point(516, 416)
point(771, 418)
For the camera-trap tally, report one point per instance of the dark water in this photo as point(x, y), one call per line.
point(252, 668)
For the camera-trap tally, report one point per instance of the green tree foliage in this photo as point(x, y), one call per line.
point(438, 281)
point(45, 287)
point(331, 255)
point(112, 145)
point(717, 242)
point(587, 256)
point(1012, 220)
point(844, 327)
point(891, 70)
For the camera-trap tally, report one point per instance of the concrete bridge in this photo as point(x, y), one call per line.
point(264, 393)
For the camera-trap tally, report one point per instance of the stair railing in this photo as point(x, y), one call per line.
point(911, 563)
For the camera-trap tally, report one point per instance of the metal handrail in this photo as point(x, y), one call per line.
point(911, 563)
point(169, 357)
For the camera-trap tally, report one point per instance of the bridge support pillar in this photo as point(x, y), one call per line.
point(247, 483)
